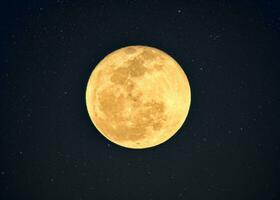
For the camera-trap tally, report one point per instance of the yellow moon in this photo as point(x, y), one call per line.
point(138, 97)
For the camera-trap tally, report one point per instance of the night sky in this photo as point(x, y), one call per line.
point(228, 148)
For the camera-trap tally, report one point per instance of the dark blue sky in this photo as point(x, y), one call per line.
point(227, 149)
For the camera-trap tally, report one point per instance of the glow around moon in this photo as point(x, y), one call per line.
point(138, 97)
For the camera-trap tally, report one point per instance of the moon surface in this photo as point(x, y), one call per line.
point(138, 97)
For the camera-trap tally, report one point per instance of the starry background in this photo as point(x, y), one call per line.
point(228, 147)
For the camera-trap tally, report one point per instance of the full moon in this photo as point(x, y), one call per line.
point(138, 97)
